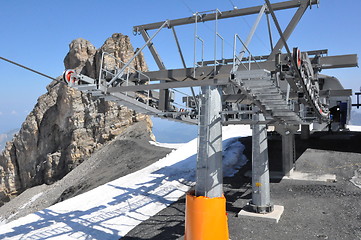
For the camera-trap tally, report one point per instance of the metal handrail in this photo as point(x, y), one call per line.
point(137, 53)
point(196, 37)
point(217, 35)
point(250, 57)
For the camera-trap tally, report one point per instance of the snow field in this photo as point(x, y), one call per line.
point(113, 209)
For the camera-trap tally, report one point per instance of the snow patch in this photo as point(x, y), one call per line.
point(233, 158)
point(167, 145)
point(31, 200)
point(354, 128)
point(356, 180)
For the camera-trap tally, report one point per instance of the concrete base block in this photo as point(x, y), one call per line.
point(271, 217)
point(301, 176)
point(311, 177)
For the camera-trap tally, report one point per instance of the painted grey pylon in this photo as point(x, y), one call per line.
point(209, 159)
point(261, 200)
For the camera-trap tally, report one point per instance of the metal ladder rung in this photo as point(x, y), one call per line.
point(258, 84)
point(275, 104)
point(270, 98)
point(263, 88)
point(261, 91)
point(285, 114)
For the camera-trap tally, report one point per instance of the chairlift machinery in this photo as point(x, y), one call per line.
point(285, 90)
point(281, 89)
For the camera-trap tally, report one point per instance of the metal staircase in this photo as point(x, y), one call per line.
point(258, 86)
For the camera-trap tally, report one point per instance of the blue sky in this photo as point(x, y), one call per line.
point(37, 34)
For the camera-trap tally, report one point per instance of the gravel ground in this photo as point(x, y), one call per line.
point(129, 152)
point(313, 210)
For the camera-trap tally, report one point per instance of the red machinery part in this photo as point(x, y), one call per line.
point(297, 57)
point(69, 76)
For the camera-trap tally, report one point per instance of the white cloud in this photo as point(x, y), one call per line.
point(1, 113)
point(13, 112)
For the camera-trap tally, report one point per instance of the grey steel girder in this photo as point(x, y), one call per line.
point(223, 71)
point(340, 61)
point(226, 14)
point(182, 74)
point(163, 94)
point(167, 85)
point(289, 29)
point(259, 58)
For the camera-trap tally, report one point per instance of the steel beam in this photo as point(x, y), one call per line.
point(209, 181)
point(182, 74)
point(152, 49)
point(168, 85)
point(340, 61)
point(289, 29)
point(184, 63)
point(264, 57)
point(288, 147)
point(225, 14)
point(163, 103)
point(336, 93)
point(288, 153)
point(305, 132)
point(223, 71)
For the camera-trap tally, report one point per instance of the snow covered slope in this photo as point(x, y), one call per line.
point(113, 209)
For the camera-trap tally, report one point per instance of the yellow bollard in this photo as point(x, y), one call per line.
point(206, 218)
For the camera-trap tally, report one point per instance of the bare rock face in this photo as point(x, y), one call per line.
point(66, 126)
point(121, 51)
point(81, 57)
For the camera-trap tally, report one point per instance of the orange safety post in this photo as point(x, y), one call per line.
point(206, 218)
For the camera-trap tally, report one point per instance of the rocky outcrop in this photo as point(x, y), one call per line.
point(85, 59)
point(66, 126)
point(5, 137)
point(81, 57)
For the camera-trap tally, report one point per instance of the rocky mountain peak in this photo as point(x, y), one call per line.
point(66, 126)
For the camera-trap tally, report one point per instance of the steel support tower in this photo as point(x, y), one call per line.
point(284, 90)
point(209, 159)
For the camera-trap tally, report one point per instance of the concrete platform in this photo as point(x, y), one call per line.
point(270, 217)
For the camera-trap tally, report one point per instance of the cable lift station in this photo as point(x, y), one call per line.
point(283, 90)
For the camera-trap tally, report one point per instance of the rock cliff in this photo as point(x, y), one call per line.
point(66, 126)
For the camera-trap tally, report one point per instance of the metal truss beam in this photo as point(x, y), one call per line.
point(152, 49)
point(223, 71)
point(168, 85)
point(289, 29)
point(336, 93)
point(226, 14)
point(163, 94)
point(182, 74)
point(264, 57)
point(340, 61)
